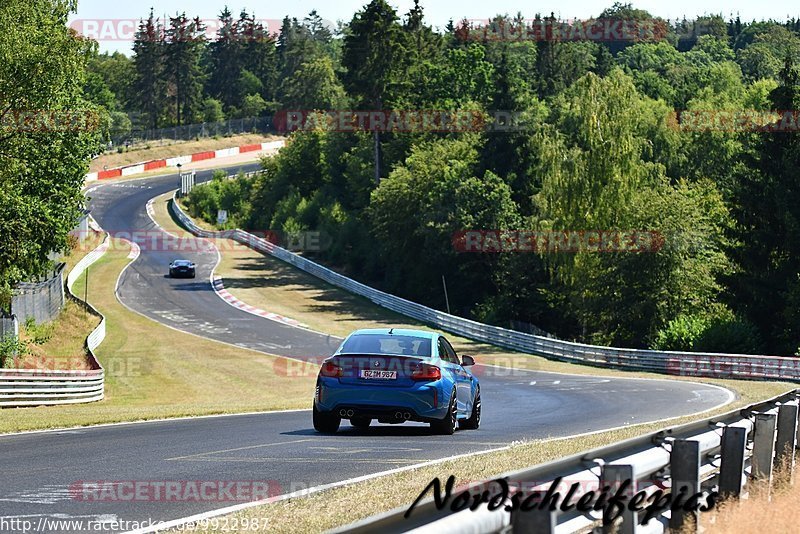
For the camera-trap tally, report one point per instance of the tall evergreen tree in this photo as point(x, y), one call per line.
point(225, 61)
point(374, 56)
point(148, 86)
point(183, 50)
point(768, 209)
point(258, 53)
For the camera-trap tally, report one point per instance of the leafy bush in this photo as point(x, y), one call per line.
point(735, 336)
point(681, 333)
point(10, 346)
point(716, 331)
point(221, 194)
point(39, 333)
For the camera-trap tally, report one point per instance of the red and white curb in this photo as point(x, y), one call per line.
point(139, 168)
point(219, 289)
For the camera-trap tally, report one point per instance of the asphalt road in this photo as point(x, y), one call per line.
point(55, 475)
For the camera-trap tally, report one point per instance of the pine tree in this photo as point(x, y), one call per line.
point(258, 53)
point(185, 43)
point(225, 62)
point(374, 56)
point(148, 59)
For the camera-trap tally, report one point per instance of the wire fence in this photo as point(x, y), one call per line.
point(42, 299)
point(256, 125)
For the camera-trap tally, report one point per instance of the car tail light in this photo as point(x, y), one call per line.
point(426, 372)
point(331, 370)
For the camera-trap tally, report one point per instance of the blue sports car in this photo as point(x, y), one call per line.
point(395, 376)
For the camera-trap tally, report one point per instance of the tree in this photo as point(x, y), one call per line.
point(375, 59)
point(148, 85)
point(183, 49)
point(420, 206)
point(47, 133)
point(597, 174)
point(258, 54)
point(225, 61)
point(314, 85)
point(253, 106)
point(767, 207)
point(212, 110)
point(117, 72)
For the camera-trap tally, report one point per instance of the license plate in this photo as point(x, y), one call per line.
point(379, 375)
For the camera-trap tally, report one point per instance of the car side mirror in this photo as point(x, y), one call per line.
point(467, 361)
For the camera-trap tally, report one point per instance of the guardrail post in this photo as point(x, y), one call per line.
point(533, 521)
point(764, 446)
point(787, 436)
point(614, 476)
point(684, 462)
point(731, 469)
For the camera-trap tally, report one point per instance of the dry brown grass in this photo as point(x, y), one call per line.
point(343, 505)
point(60, 344)
point(174, 148)
point(773, 510)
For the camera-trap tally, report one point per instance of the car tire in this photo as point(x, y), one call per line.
point(326, 423)
point(474, 420)
point(361, 422)
point(447, 426)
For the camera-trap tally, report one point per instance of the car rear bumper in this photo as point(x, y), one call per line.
point(182, 274)
point(420, 402)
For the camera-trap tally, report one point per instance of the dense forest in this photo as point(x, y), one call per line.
point(597, 145)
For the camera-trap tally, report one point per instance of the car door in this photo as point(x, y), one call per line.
point(463, 380)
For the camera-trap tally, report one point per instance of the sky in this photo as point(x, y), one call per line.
point(112, 23)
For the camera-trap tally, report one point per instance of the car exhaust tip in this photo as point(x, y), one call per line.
point(343, 412)
point(406, 416)
point(350, 413)
point(398, 415)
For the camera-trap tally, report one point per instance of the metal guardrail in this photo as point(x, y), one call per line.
point(695, 364)
point(717, 454)
point(42, 387)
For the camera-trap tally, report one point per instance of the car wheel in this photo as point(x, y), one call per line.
point(326, 423)
point(360, 422)
point(474, 420)
point(447, 426)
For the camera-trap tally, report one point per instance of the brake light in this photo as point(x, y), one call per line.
point(426, 372)
point(331, 370)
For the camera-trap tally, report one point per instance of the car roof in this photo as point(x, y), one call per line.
point(395, 332)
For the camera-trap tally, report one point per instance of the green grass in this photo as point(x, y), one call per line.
point(155, 372)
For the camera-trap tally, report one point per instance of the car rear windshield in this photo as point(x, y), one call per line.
point(388, 344)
